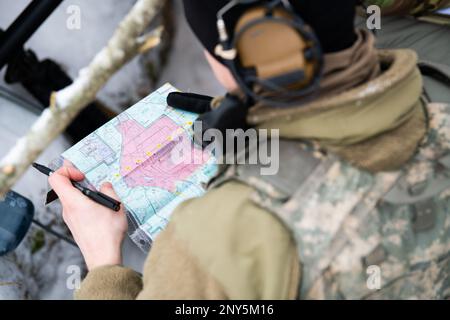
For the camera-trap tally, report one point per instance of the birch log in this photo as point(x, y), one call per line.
point(126, 42)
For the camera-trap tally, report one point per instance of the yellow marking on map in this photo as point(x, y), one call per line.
point(128, 168)
point(189, 123)
point(149, 153)
point(159, 145)
point(138, 161)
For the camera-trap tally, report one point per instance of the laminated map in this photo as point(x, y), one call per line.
point(133, 152)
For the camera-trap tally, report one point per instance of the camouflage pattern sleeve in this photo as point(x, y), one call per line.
point(405, 7)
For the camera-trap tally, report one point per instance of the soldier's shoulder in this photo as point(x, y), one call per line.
point(228, 236)
point(222, 213)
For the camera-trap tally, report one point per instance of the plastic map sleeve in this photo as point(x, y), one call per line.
point(135, 152)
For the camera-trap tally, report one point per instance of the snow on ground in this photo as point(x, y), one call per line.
point(186, 69)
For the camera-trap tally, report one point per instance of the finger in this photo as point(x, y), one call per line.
point(62, 184)
point(67, 163)
point(71, 172)
point(108, 189)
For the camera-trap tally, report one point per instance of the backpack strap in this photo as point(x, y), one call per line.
point(438, 71)
point(296, 162)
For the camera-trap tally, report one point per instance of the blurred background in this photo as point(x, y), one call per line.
point(38, 268)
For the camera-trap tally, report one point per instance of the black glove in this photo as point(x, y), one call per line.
point(191, 102)
point(231, 113)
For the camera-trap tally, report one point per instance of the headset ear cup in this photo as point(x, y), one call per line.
point(282, 52)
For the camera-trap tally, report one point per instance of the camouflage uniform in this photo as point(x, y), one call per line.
point(349, 219)
point(345, 219)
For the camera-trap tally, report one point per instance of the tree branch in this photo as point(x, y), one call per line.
point(68, 102)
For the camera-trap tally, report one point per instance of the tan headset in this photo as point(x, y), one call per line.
point(272, 53)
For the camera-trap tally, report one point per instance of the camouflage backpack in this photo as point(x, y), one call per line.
point(348, 222)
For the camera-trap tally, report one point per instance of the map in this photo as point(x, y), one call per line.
point(134, 151)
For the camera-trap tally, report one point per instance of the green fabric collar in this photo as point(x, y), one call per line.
point(356, 115)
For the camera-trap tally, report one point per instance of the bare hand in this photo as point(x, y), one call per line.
point(97, 230)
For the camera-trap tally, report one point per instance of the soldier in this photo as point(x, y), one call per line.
point(360, 206)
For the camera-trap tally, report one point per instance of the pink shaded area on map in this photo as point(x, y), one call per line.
point(146, 157)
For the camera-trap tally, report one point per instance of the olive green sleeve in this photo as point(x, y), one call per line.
point(172, 272)
point(219, 246)
point(245, 249)
point(110, 283)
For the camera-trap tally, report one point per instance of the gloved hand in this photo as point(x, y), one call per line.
point(228, 112)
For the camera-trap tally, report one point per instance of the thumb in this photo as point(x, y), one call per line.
point(108, 189)
point(71, 173)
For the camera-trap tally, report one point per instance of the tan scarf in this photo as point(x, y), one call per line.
point(350, 67)
point(376, 125)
